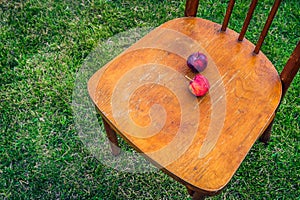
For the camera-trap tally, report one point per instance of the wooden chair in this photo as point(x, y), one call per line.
point(143, 96)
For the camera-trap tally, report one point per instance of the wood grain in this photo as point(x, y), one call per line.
point(245, 93)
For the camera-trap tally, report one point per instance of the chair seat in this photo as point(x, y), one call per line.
point(201, 142)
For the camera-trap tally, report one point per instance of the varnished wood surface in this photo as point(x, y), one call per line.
point(267, 25)
point(191, 7)
point(227, 15)
point(290, 69)
point(247, 20)
point(245, 92)
point(112, 137)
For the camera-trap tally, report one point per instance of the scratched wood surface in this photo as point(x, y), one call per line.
point(198, 141)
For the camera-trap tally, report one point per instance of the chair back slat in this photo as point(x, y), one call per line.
point(227, 15)
point(292, 66)
point(247, 20)
point(191, 8)
point(267, 26)
point(290, 69)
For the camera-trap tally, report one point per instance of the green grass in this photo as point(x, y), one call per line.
point(43, 45)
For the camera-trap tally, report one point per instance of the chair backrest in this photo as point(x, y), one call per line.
point(292, 66)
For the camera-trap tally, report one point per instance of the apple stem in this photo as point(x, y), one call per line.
point(188, 78)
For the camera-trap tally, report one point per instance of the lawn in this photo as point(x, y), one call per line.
point(43, 47)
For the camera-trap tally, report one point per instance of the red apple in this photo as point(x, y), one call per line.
point(199, 85)
point(197, 62)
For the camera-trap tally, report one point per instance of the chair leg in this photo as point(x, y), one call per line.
point(198, 196)
point(265, 137)
point(112, 137)
point(195, 195)
point(191, 192)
